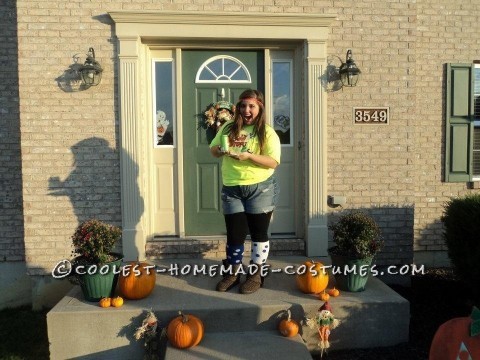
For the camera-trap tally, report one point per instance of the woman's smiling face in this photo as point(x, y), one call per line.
point(249, 110)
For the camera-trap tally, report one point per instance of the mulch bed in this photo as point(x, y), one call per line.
point(435, 297)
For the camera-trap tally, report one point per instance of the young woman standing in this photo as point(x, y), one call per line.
point(249, 189)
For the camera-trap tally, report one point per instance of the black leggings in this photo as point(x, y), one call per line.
point(240, 224)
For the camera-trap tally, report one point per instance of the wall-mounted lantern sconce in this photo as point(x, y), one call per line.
point(349, 72)
point(91, 71)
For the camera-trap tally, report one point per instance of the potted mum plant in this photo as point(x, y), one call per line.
point(95, 266)
point(357, 239)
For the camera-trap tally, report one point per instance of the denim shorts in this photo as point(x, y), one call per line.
point(252, 199)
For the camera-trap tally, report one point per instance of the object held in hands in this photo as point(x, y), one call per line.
point(225, 146)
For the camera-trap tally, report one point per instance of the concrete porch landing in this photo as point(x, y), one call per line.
point(82, 330)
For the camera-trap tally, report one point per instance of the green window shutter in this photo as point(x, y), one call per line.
point(459, 123)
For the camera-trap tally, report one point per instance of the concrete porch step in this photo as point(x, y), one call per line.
point(243, 345)
point(78, 329)
point(214, 247)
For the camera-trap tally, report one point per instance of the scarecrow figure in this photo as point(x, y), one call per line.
point(151, 333)
point(149, 327)
point(324, 321)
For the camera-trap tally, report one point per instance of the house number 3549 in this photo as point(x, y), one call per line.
point(370, 115)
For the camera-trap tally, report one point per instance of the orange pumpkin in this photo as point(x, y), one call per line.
point(324, 296)
point(105, 302)
point(314, 280)
point(333, 292)
point(453, 339)
point(136, 280)
point(185, 331)
point(288, 327)
point(117, 301)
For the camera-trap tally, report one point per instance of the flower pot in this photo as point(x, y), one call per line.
point(350, 274)
point(98, 281)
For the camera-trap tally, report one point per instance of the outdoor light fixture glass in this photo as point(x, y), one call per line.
point(349, 72)
point(91, 71)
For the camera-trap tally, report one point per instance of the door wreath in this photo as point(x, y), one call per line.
point(218, 113)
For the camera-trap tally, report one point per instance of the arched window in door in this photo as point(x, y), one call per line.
point(223, 69)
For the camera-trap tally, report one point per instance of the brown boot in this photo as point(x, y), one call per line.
point(231, 277)
point(254, 279)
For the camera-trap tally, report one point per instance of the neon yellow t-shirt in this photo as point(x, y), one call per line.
point(235, 172)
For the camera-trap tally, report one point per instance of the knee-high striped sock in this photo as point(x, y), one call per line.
point(260, 252)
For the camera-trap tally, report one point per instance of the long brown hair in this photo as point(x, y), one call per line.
point(259, 127)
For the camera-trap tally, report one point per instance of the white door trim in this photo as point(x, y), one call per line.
point(135, 28)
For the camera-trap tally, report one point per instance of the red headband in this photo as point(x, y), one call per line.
point(252, 99)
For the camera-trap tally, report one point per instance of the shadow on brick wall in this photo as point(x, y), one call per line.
point(12, 247)
point(431, 246)
point(92, 185)
point(330, 79)
point(69, 80)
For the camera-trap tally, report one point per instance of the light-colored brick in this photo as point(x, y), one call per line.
point(401, 48)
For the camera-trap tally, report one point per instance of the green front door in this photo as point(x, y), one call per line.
point(207, 77)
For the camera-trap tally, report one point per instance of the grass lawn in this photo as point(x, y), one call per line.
point(23, 334)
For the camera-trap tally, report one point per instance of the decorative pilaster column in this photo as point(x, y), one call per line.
point(316, 156)
point(133, 237)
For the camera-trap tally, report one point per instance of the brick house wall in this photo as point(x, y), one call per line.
point(373, 165)
point(70, 155)
point(446, 32)
point(69, 138)
point(11, 214)
point(402, 48)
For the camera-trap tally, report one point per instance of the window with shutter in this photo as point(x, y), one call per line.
point(460, 123)
point(476, 130)
point(476, 152)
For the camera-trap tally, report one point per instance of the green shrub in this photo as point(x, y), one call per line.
point(356, 235)
point(461, 218)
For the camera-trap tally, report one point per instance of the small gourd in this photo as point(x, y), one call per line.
point(324, 296)
point(105, 302)
point(117, 301)
point(288, 327)
point(333, 292)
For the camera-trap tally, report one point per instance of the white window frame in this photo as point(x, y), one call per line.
point(292, 125)
point(154, 104)
point(204, 66)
